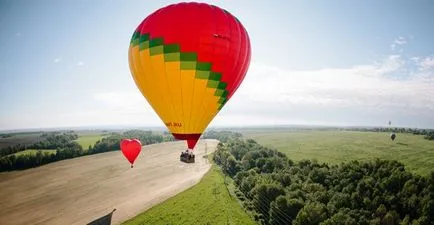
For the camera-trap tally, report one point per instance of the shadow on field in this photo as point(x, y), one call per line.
point(404, 144)
point(105, 220)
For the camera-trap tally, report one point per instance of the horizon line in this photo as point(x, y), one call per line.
point(159, 127)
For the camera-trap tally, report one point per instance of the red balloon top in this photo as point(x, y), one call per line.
point(214, 34)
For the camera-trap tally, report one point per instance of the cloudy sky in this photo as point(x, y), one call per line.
point(65, 63)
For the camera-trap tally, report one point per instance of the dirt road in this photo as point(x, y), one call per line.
point(80, 190)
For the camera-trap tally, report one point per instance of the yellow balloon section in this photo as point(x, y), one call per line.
point(185, 103)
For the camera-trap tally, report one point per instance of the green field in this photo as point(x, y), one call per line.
point(208, 202)
point(34, 151)
point(334, 147)
point(87, 140)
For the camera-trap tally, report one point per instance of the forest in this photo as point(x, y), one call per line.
point(223, 136)
point(51, 140)
point(277, 190)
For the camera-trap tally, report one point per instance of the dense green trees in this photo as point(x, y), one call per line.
point(222, 136)
point(62, 142)
point(430, 135)
point(51, 140)
point(55, 141)
point(25, 161)
point(12, 149)
point(5, 135)
point(280, 191)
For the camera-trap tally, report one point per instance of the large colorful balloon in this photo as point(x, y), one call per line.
point(131, 149)
point(188, 59)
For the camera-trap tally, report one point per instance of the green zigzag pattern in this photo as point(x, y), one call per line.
point(188, 61)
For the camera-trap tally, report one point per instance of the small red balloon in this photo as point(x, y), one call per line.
point(131, 149)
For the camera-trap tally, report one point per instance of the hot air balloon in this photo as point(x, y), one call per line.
point(131, 149)
point(188, 60)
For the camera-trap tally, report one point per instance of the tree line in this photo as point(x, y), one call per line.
point(48, 141)
point(112, 142)
point(428, 133)
point(279, 191)
point(67, 148)
point(223, 136)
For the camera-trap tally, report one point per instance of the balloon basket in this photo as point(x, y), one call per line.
point(187, 158)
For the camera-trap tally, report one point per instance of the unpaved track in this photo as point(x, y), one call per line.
point(80, 190)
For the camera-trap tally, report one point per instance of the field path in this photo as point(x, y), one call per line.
point(80, 190)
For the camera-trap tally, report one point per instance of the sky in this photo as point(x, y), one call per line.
point(344, 63)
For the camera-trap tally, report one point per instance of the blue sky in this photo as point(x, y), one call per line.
point(64, 63)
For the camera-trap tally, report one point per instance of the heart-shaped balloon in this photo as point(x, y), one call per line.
point(131, 149)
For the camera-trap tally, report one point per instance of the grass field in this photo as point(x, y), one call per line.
point(208, 202)
point(87, 140)
point(339, 146)
point(34, 151)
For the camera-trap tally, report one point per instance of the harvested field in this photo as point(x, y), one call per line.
point(80, 190)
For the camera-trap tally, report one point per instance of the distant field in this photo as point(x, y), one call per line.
point(208, 202)
point(339, 146)
point(34, 151)
point(87, 140)
point(90, 132)
point(25, 139)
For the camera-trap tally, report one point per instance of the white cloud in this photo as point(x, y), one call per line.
point(332, 94)
point(415, 59)
point(111, 108)
point(80, 63)
point(370, 94)
point(400, 41)
point(427, 63)
point(397, 44)
point(57, 60)
point(363, 95)
point(124, 102)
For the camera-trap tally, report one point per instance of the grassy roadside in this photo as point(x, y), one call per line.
point(208, 202)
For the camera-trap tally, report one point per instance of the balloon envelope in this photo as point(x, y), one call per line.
point(131, 149)
point(188, 59)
